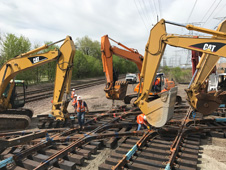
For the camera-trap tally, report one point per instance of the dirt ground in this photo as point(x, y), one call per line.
point(93, 96)
point(212, 153)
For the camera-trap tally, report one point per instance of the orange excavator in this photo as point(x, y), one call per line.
point(115, 89)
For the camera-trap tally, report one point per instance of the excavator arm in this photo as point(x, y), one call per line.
point(161, 110)
point(116, 89)
point(64, 57)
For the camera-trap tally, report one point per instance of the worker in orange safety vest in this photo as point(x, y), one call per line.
point(157, 86)
point(74, 100)
point(80, 108)
point(72, 93)
point(142, 121)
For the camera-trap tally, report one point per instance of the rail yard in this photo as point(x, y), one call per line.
point(110, 140)
point(78, 103)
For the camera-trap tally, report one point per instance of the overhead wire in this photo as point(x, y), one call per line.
point(153, 2)
point(145, 16)
point(208, 10)
point(220, 10)
point(212, 13)
point(147, 12)
point(191, 11)
point(152, 10)
point(141, 15)
point(156, 8)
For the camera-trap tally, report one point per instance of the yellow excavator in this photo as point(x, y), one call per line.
point(12, 115)
point(159, 111)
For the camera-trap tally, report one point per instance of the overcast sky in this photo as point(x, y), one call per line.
point(127, 21)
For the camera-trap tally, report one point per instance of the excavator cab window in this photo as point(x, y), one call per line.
point(18, 94)
point(162, 82)
point(158, 83)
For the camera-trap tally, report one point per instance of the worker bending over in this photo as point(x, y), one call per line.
point(72, 93)
point(74, 100)
point(142, 121)
point(80, 107)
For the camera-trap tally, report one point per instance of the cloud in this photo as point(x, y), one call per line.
point(127, 21)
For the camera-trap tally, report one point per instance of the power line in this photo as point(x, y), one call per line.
point(192, 10)
point(153, 2)
point(208, 10)
point(212, 12)
point(147, 12)
point(152, 10)
point(141, 15)
point(144, 14)
point(219, 10)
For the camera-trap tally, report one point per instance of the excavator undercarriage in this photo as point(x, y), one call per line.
point(13, 119)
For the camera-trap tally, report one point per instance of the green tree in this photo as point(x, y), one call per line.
point(49, 70)
point(124, 66)
point(80, 69)
point(13, 46)
point(177, 74)
point(88, 47)
point(94, 66)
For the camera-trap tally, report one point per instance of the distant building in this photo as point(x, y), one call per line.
point(221, 67)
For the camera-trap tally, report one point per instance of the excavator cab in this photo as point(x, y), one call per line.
point(17, 99)
point(18, 94)
point(158, 85)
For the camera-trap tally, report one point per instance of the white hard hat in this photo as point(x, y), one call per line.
point(79, 98)
point(73, 89)
point(75, 95)
point(145, 118)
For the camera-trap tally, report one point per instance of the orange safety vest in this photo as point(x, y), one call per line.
point(80, 108)
point(72, 94)
point(74, 101)
point(140, 118)
point(157, 81)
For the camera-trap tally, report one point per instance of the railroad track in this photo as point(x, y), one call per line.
point(167, 148)
point(29, 149)
point(47, 91)
point(174, 146)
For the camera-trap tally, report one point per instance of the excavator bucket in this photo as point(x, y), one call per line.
point(205, 103)
point(118, 92)
point(162, 109)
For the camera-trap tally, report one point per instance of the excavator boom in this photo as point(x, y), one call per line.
point(64, 57)
point(161, 111)
point(116, 89)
